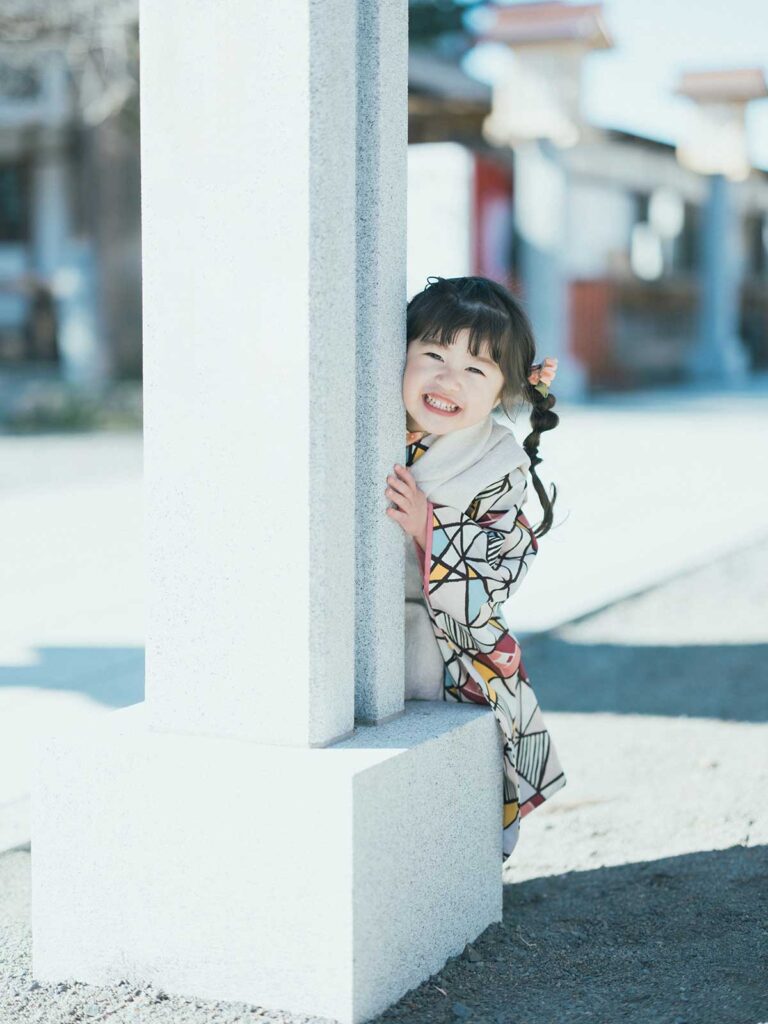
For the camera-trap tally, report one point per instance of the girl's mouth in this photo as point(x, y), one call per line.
point(440, 405)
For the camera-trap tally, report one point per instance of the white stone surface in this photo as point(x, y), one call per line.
point(382, 127)
point(248, 248)
point(440, 195)
point(182, 859)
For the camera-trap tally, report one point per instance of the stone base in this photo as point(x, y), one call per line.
point(321, 881)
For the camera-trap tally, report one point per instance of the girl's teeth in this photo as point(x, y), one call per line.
point(440, 405)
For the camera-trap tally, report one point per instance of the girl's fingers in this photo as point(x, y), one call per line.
point(399, 499)
point(395, 479)
point(399, 487)
point(407, 480)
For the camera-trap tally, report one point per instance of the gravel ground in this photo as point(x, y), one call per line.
point(640, 894)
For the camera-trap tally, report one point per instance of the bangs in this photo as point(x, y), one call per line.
point(489, 330)
point(495, 323)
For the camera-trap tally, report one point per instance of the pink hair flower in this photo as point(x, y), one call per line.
point(542, 375)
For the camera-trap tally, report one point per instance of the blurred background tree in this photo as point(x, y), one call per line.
point(100, 41)
point(431, 19)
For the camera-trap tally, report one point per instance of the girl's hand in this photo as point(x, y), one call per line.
point(411, 511)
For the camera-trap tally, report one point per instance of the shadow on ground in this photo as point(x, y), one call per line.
point(682, 940)
point(726, 682)
point(113, 676)
point(723, 682)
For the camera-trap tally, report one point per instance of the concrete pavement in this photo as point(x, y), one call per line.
point(649, 486)
point(72, 638)
point(639, 890)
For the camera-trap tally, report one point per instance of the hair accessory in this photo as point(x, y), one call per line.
point(542, 374)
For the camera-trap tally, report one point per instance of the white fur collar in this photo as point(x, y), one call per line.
point(460, 464)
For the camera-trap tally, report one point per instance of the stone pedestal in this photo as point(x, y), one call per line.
point(326, 882)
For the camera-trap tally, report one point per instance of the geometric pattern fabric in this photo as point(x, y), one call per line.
point(474, 561)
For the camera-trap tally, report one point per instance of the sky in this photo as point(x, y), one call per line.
point(630, 86)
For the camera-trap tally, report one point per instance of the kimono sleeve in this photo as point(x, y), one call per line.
point(475, 560)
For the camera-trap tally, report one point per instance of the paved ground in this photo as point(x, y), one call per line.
point(71, 578)
point(641, 893)
point(648, 486)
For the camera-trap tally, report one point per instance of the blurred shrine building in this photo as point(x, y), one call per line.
point(70, 224)
point(70, 241)
point(632, 253)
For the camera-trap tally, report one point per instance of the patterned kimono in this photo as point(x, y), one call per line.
point(475, 559)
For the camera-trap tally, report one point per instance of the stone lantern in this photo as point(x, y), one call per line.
point(536, 111)
point(540, 96)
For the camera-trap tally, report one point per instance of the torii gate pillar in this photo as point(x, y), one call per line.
point(273, 824)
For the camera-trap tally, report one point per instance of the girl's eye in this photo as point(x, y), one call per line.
point(437, 356)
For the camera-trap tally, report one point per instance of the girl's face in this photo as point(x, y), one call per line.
point(446, 389)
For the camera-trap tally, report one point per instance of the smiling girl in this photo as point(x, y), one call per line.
point(459, 502)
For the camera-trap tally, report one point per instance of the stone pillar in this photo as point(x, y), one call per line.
point(64, 261)
point(714, 143)
point(236, 836)
point(382, 124)
point(541, 209)
point(249, 368)
point(51, 189)
point(719, 358)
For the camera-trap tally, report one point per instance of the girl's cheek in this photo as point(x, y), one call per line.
point(410, 381)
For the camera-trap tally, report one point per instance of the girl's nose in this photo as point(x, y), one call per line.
point(447, 380)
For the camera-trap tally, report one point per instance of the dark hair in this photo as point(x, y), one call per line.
point(494, 317)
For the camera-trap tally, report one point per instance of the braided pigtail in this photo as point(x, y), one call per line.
point(542, 418)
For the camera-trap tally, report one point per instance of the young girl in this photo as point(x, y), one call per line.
point(459, 502)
